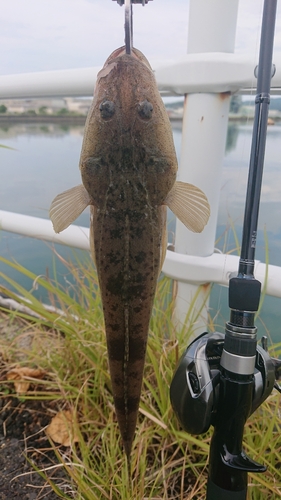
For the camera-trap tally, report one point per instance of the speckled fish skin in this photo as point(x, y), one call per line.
point(128, 166)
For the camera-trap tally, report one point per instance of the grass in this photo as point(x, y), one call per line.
point(69, 345)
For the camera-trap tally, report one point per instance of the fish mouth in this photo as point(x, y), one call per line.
point(121, 51)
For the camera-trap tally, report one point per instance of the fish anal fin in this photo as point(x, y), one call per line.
point(67, 206)
point(190, 205)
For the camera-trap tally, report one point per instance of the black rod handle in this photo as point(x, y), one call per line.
point(229, 465)
point(214, 492)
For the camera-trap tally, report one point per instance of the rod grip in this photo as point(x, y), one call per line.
point(214, 492)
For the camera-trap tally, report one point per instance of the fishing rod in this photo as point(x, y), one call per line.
point(223, 378)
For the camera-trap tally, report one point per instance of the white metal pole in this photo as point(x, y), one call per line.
point(212, 27)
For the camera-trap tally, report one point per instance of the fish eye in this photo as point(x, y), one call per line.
point(145, 109)
point(107, 109)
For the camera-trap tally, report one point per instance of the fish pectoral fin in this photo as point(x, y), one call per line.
point(190, 205)
point(67, 206)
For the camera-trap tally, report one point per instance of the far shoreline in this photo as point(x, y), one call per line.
point(26, 118)
point(81, 119)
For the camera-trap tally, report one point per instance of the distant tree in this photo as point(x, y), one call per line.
point(63, 111)
point(3, 108)
point(43, 110)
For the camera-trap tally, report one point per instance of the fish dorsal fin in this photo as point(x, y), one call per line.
point(67, 206)
point(190, 205)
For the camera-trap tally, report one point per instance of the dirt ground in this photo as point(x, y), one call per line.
point(23, 446)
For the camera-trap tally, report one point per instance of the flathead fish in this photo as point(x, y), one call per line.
point(128, 167)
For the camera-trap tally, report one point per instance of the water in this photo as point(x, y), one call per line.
point(45, 162)
point(231, 211)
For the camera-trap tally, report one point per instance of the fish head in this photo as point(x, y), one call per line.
point(128, 135)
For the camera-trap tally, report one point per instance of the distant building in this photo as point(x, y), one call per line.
point(77, 105)
point(46, 105)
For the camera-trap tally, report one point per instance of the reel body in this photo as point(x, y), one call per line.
point(195, 387)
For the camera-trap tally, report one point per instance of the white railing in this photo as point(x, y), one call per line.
point(216, 268)
point(42, 229)
point(214, 72)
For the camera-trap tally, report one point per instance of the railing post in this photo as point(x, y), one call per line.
point(212, 27)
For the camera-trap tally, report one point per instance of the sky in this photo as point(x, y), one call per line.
point(38, 35)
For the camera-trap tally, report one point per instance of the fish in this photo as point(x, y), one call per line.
point(128, 168)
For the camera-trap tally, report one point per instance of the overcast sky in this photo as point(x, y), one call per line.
point(37, 35)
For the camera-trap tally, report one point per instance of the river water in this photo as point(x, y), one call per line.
point(45, 160)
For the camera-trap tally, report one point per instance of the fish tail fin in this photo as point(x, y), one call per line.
point(129, 472)
point(129, 467)
point(127, 446)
